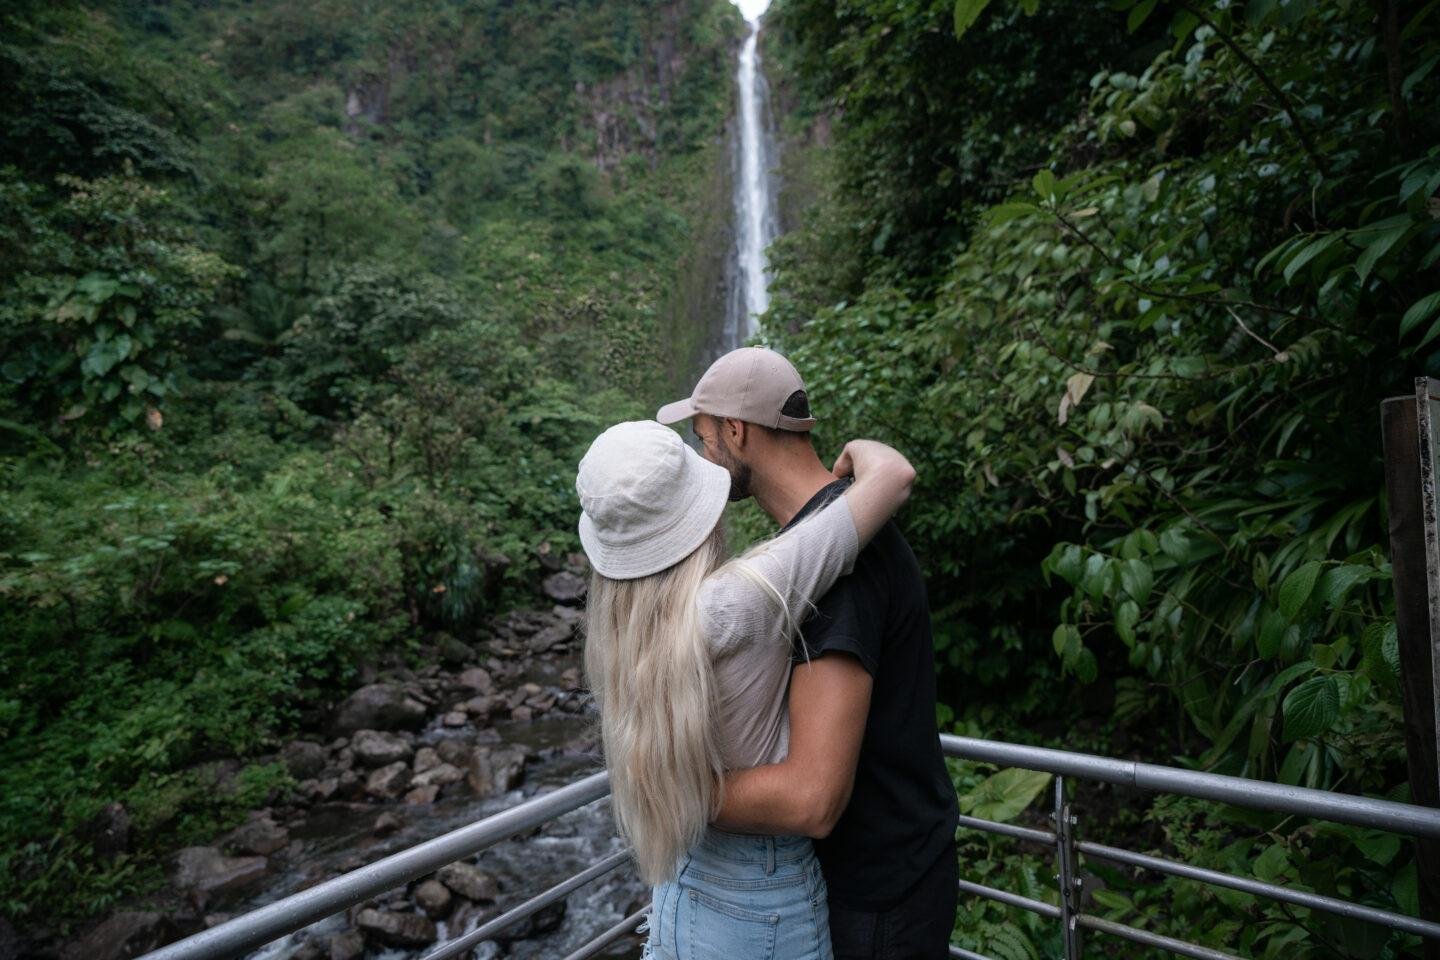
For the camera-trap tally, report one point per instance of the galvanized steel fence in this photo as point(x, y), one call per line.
point(254, 929)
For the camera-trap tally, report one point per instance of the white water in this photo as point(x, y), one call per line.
point(755, 216)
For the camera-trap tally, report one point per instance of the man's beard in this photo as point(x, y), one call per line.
point(739, 472)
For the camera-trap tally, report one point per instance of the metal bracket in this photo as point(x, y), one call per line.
point(1069, 876)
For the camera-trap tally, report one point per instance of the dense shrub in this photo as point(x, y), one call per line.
point(1142, 394)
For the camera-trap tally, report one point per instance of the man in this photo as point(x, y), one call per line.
point(865, 776)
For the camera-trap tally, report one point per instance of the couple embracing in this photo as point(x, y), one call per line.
point(768, 720)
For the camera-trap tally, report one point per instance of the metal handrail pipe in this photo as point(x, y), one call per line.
point(1007, 830)
point(1242, 792)
point(1134, 934)
point(1182, 947)
point(561, 890)
point(1301, 898)
point(625, 926)
point(1048, 910)
point(258, 927)
point(962, 954)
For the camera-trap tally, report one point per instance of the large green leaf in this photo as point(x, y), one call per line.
point(1137, 579)
point(1126, 617)
point(1377, 248)
point(1419, 311)
point(1311, 708)
point(966, 13)
point(1297, 588)
point(1337, 582)
point(1001, 797)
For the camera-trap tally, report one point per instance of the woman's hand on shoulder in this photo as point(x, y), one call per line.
point(883, 478)
point(864, 457)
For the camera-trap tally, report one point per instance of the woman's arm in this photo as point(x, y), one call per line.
point(883, 478)
point(802, 564)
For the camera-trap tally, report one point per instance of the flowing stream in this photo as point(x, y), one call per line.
point(338, 837)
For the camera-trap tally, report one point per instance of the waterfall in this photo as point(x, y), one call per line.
point(754, 201)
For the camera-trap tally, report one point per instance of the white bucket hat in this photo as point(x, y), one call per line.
point(648, 500)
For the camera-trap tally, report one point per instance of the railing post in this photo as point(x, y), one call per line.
point(1411, 430)
point(1069, 875)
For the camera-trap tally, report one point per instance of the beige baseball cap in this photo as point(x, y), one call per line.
point(751, 384)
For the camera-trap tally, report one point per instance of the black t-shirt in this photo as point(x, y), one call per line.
point(902, 812)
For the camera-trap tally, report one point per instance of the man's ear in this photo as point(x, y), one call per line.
point(736, 432)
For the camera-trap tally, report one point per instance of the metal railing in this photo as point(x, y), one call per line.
point(244, 933)
point(258, 927)
point(1255, 794)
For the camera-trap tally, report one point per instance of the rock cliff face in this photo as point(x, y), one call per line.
point(627, 112)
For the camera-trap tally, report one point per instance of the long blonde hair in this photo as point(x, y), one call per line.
point(651, 674)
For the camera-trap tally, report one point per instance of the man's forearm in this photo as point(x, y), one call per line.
point(807, 792)
point(773, 799)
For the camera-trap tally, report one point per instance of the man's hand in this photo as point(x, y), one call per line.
point(807, 793)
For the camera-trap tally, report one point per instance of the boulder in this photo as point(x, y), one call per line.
point(490, 772)
point(348, 785)
point(261, 835)
point(126, 934)
point(482, 707)
point(349, 945)
point(470, 882)
point(455, 718)
point(477, 679)
point(303, 759)
point(386, 824)
point(203, 872)
point(564, 587)
point(426, 759)
point(396, 929)
point(388, 782)
point(454, 750)
point(380, 706)
point(453, 652)
point(439, 775)
point(419, 796)
point(377, 748)
point(568, 615)
point(319, 791)
point(551, 637)
point(542, 921)
point(434, 898)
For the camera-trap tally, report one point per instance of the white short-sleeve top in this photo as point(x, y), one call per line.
point(746, 631)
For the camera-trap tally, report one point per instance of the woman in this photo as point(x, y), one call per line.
point(688, 656)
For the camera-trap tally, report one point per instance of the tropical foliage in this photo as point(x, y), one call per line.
point(308, 312)
point(1131, 285)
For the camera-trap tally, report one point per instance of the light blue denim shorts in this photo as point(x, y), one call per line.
point(742, 898)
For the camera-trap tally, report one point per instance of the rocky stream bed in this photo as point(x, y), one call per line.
point(408, 756)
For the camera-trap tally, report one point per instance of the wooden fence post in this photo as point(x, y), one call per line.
point(1411, 427)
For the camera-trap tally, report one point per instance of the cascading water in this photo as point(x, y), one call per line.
point(755, 214)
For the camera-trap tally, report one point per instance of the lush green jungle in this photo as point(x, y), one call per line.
point(308, 311)
point(1129, 284)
